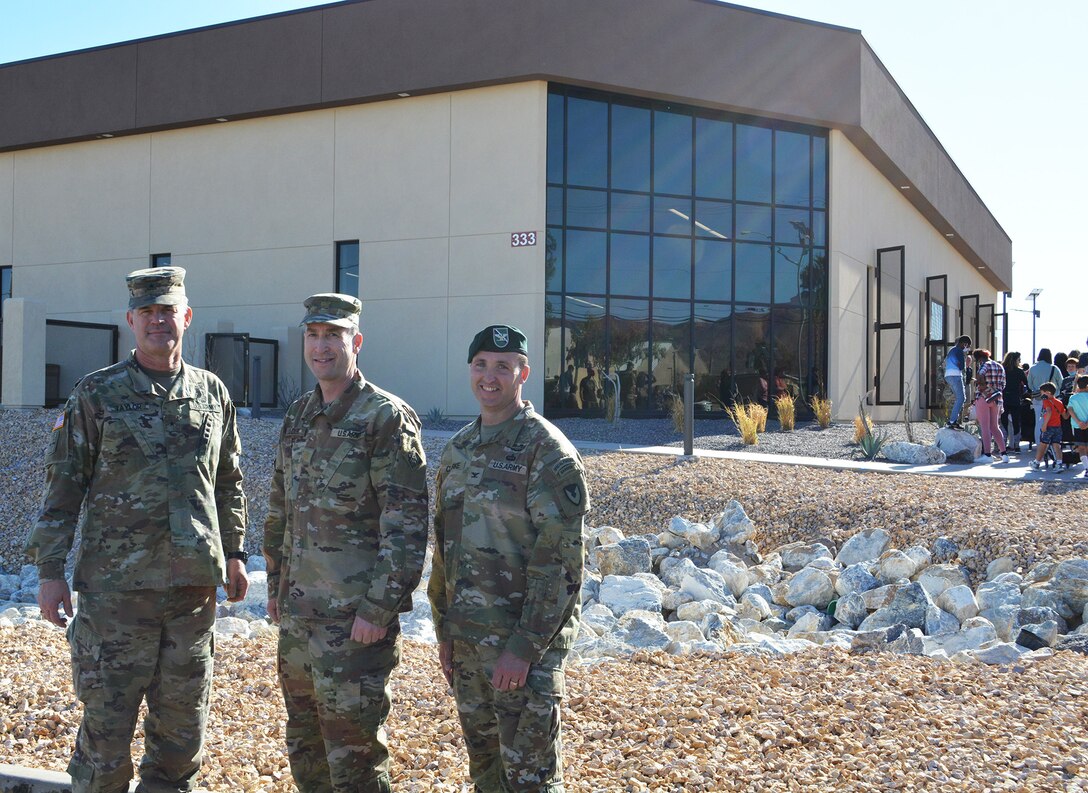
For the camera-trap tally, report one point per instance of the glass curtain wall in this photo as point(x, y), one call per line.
point(679, 241)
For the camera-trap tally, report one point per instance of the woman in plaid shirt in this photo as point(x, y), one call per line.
point(989, 385)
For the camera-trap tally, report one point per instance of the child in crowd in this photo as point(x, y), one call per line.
point(1078, 415)
point(1051, 427)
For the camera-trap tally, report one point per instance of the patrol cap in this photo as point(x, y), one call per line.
point(498, 338)
point(332, 308)
point(162, 286)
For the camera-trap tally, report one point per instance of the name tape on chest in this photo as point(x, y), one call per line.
point(509, 467)
point(339, 432)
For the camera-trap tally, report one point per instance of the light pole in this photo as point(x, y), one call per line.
point(1034, 295)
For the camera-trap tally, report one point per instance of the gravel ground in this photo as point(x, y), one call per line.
point(814, 721)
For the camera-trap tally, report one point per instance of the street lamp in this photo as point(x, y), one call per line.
point(1034, 295)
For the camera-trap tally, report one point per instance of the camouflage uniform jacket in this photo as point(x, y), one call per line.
point(346, 532)
point(508, 538)
point(158, 478)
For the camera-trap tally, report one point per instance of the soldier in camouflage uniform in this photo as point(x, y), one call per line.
point(148, 448)
point(345, 541)
point(505, 587)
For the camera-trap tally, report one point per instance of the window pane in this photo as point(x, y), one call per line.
point(672, 267)
point(587, 142)
point(714, 219)
point(672, 153)
point(753, 273)
point(753, 223)
point(714, 378)
point(791, 354)
point(791, 226)
point(630, 148)
point(713, 270)
point(819, 228)
point(585, 339)
point(672, 350)
point(553, 260)
point(555, 137)
point(753, 163)
point(672, 216)
point(629, 341)
point(630, 212)
point(713, 158)
point(789, 268)
point(160, 259)
point(819, 172)
point(630, 260)
point(555, 206)
point(347, 268)
point(585, 261)
point(791, 168)
point(751, 353)
point(587, 208)
point(557, 387)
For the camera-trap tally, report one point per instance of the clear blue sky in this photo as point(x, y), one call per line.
point(1000, 82)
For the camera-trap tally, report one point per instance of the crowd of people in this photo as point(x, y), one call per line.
point(1043, 405)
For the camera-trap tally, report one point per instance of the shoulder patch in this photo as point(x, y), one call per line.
point(59, 422)
point(573, 493)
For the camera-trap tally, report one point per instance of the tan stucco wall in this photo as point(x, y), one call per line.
point(869, 213)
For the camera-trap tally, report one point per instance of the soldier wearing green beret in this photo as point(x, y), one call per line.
point(345, 541)
point(149, 451)
point(505, 587)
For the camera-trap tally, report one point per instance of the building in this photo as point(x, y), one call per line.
point(647, 187)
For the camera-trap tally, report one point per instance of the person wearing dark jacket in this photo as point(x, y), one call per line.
point(1016, 386)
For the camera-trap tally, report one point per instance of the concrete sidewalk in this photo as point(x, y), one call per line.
point(1017, 469)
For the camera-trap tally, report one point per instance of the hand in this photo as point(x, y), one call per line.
point(511, 672)
point(366, 632)
point(51, 593)
point(273, 607)
point(237, 580)
point(445, 660)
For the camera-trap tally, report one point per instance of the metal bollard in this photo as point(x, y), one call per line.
point(689, 414)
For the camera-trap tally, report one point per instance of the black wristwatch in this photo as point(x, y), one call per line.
point(242, 555)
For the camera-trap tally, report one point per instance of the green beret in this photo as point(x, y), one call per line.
point(498, 338)
point(162, 286)
point(333, 309)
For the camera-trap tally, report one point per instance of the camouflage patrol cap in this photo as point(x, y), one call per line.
point(498, 338)
point(162, 286)
point(332, 308)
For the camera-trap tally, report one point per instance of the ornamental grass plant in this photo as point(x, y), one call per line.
point(759, 414)
point(745, 418)
point(863, 425)
point(787, 412)
point(821, 407)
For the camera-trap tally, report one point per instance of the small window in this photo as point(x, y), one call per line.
point(347, 267)
point(160, 260)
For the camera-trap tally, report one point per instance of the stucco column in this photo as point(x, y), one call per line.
point(24, 354)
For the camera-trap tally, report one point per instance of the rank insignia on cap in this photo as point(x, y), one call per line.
point(58, 423)
point(573, 494)
point(501, 336)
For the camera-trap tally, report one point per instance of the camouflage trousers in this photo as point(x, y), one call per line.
point(513, 738)
point(337, 695)
point(156, 643)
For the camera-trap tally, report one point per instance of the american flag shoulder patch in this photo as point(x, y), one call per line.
point(58, 423)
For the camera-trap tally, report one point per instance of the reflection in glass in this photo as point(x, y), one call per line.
point(714, 379)
point(713, 158)
point(585, 350)
point(585, 261)
point(556, 387)
point(753, 164)
point(630, 148)
point(555, 138)
point(630, 212)
point(819, 228)
point(629, 346)
point(588, 208)
point(791, 226)
point(672, 350)
point(587, 142)
point(753, 273)
point(753, 222)
point(672, 153)
point(791, 168)
point(713, 270)
point(672, 216)
point(672, 267)
point(788, 269)
point(630, 262)
point(553, 260)
point(819, 172)
point(555, 206)
point(714, 219)
point(752, 352)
